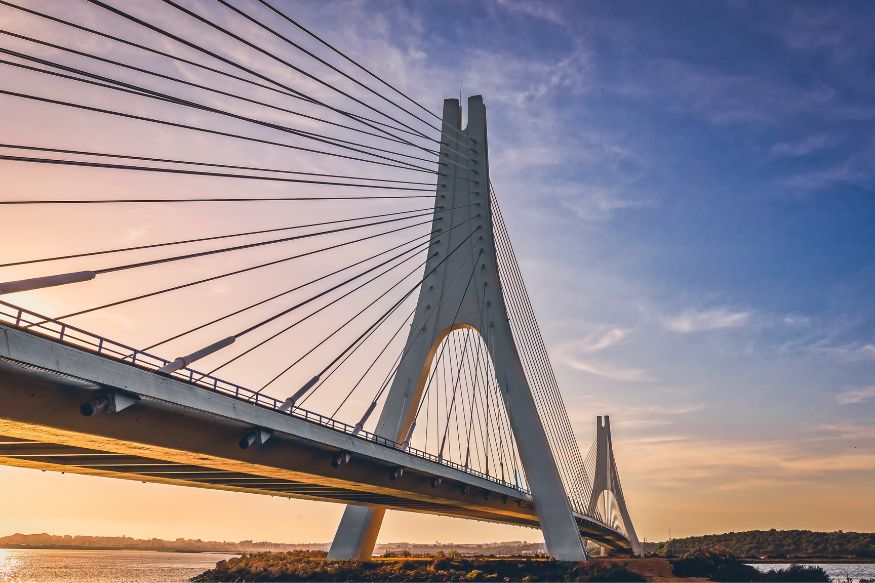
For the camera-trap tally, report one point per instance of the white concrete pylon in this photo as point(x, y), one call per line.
point(443, 306)
point(607, 479)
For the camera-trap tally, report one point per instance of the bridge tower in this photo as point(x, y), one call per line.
point(606, 479)
point(445, 305)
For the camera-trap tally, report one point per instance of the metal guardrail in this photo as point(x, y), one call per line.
point(46, 327)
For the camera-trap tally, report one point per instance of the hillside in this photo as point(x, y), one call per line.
point(779, 544)
point(753, 544)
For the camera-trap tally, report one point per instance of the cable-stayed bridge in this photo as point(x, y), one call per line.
point(379, 349)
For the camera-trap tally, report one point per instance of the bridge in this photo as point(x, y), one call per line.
point(434, 394)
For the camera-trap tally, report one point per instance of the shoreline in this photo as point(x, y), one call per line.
point(752, 561)
point(81, 548)
point(810, 561)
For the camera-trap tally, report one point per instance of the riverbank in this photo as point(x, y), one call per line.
point(809, 561)
point(314, 566)
point(119, 566)
point(311, 566)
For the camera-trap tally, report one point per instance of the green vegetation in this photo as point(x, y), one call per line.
point(717, 565)
point(778, 544)
point(313, 566)
point(720, 565)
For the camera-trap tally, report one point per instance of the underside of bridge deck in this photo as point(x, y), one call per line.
point(162, 441)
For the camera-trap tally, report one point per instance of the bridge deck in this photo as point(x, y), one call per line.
point(186, 433)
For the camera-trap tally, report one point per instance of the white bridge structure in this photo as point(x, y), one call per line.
point(432, 395)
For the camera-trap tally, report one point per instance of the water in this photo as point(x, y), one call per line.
point(51, 566)
point(839, 572)
point(54, 566)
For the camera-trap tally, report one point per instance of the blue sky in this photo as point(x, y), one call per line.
point(689, 188)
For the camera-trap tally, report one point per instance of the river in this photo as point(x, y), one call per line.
point(838, 572)
point(53, 566)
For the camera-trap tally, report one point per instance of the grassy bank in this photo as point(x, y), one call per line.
point(699, 565)
point(313, 566)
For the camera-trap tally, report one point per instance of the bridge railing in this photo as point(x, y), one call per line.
point(57, 331)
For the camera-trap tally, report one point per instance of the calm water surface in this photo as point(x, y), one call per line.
point(52, 566)
point(837, 571)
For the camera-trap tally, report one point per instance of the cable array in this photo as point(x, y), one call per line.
point(277, 166)
point(539, 370)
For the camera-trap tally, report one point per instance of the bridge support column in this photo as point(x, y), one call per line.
point(607, 479)
point(445, 303)
point(357, 533)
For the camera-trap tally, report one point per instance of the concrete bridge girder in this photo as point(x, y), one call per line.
point(178, 431)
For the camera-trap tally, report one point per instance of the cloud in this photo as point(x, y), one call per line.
point(850, 352)
point(801, 148)
point(845, 431)
point(795, 320)
point(699, 321)
point(639, 418)
point(852, 170)
point(540, 10)
point(609, 371)
point(830, 33)
point(694, 461)
point(856, 395)
point(600, 203)
point(577, 354)
point(657, 415)
point(721, 96)
point(596, 341)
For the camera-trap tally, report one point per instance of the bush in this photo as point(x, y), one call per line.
point(720, 565)
point(441, 564)
point(314, 566)
point(395, 554)
point(792, 543)
point(717, 564)
point(797, 573)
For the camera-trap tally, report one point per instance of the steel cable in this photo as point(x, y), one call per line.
point(117, 85)
point(210, 164)
point(230, 273)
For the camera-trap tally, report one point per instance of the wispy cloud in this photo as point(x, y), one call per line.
point(695, 461)
point(610, 371)
point(722, 96)
point(601, 203)
point(796, 320)
point(644, 419)
point(853, 431)
point(540, 10)
point(657, 415)
point(692, 321)
point(856, 395)
point(854, 352)
point(596, 341)
point(578, 354)
point(803, 147)
point(853, 169)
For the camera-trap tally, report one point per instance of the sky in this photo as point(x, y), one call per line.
point(689, 191)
